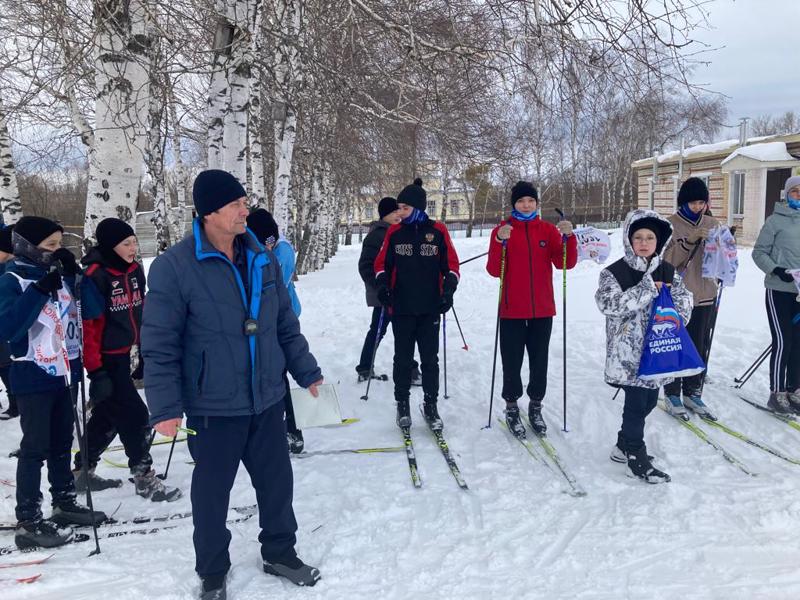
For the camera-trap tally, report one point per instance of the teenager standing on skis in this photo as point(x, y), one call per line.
point(265, 228)
point(416, 277)
point(690, 228)
point(625, 296)
point(6, 254)
point(39, 317)
point(389, 215)
point(777, 250)
point(532, 248)
point(112, 294)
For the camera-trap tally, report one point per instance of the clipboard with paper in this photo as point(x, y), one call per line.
point(316, 412)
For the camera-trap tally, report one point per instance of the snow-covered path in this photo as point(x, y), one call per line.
point(711, 533)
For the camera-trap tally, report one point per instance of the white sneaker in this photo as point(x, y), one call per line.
point(697, 406)
point(675, 407)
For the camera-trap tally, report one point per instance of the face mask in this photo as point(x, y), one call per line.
point(521, 216)
point(24, 249)
point(795, 204)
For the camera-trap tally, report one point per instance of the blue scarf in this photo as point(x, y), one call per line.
point(689, 214)
point(795, 204)
point(417, 216)
point(520, 216)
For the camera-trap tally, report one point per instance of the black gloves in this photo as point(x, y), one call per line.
point(663, 274)
point(783, 275)
point(68, 264)
point(448, 289)
point(384, 293)
point(50, 283)
point(100, 387)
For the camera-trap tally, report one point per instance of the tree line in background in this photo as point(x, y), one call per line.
point(111, 107)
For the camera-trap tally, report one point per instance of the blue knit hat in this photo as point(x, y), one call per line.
point(213, 189)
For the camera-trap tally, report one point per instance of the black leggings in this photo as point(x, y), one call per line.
point(783, 313)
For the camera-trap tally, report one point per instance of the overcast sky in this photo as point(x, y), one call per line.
point(758, 64)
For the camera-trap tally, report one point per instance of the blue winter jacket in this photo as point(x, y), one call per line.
point(5, 349)
point(18, 311)
point(285, 254)
point(198, 360)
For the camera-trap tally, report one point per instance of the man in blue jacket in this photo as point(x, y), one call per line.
point(217, 334)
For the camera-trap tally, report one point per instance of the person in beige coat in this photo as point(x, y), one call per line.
point(690, 227)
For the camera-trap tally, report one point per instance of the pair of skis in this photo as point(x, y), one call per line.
point(27, 563)
point(551, 459)
point(411, 456)
point(722, 450)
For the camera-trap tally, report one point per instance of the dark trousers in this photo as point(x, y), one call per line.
point(124, 413)
point(699, 329)
point(5, 373)
point(422, 330)
point(639, 402)
point(46, 421)
point(784, 363)
point(259, 441)
point(371, 339)
point(515, 336)
point(291, 424)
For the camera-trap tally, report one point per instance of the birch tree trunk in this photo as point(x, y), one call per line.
point(177, 215)
point(121, 107)
point(287, 78)
point(470, 205)
point(10, 205)
point(258, 194)
point(154, 154)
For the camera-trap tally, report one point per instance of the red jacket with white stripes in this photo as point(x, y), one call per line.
point(531, 252)
point(413, 262)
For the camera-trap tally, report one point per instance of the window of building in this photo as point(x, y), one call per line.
point(368, 211)
point(737, 194)
point(431, 207)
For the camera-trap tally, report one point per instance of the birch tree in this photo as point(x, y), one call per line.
point(10, 206)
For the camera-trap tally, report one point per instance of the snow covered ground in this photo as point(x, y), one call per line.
point(712, 533)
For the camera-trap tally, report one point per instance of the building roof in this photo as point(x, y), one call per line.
point(720, 149)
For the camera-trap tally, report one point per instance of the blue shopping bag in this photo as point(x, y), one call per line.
point(668, 350)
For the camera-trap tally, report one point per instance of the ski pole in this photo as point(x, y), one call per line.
point(707, 353)
point(455, 314)
point(163, 475)
point(497, 331)
point(564, 314)
point(463, 262)
point(744, 377)
point(378, 338)
point(82, 434)
point(444, 341)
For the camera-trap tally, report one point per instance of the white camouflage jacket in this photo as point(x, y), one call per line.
point(628, 312)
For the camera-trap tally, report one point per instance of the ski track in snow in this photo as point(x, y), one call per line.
point(711, 533)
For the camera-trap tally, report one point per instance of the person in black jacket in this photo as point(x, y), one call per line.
point(389, 215)
point(416, 275)
point(113, 296)
point(6, 254)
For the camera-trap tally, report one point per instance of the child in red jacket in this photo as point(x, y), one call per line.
point(527, 307)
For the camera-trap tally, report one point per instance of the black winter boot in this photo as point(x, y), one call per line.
point(96, 483)
point(535, 417)
point(403, 414)
point(429, 410)
point(150, 486)
point(69, 512)
point(294, 569)
point(295, 439)
point(639, 465)
point(513, 421)
point(41, 533)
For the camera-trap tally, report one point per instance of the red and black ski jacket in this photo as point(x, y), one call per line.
point(112, 301)
point(414, 260)
point(532, 251)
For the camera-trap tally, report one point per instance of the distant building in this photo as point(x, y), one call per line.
point(744, 181)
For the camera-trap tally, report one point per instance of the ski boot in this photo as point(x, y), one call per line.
point(513, 421)
point(535, 417)
point(639, 466)
point(69, 512)
point(41, 533)
point(431, 414)
point(403, 414)
point(150, 486)
point(676, 408)
point(364, 375)
point(96, 483)
point(294, 569)
point(213, 589)
point(618, 455)
point(695, 404)
point(11, 412)
point(295, 439)
point(779, 402)
point(794, 400)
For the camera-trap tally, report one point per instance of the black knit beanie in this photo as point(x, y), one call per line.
point(386, 206)
point(523, 188)
point(213, 189)
point(36, 229)
point(111, 232)
point(261, 223)
point(661, 227)
point(692, 189)
point(6, 244)
point(414, 195)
